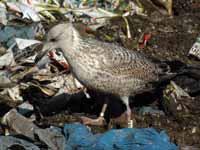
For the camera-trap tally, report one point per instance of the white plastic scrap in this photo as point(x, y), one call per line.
point(98, 16)
point(27, 11)
point(134, 9)
point(38, 29)
point(14, 93)
point(57, 82)
point(66, 84)
point(24, 43)
point(72, 85)
point(179, 91)
point(40, 7)
point(24, 108)
point(43, 62)
point(30, 59)
point(94, 12)
point(3, 12)
point(8, 58)
point(71, 3)
point(3, 78)
point(195, 50)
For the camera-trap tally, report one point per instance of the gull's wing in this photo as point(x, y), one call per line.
point(120, 61)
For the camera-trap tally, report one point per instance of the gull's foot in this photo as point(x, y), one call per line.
point(131, 123)
point(123, 122)
point(100, 121)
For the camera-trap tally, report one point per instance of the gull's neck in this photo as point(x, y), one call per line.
point(71, 46)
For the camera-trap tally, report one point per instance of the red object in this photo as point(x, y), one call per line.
point(51, 54)
point(62, 62)
point(29, 2)
point(65, 65)
point(146, 38)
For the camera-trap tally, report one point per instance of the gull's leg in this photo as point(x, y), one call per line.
point(125, 100)
point(100, 120)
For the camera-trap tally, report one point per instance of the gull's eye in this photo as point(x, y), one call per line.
point(53, 40)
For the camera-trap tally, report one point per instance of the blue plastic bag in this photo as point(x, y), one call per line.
point(79, 137)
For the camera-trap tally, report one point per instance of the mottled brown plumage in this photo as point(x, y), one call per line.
point(104, 66)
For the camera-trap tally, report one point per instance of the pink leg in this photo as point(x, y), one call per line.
point(125, 99)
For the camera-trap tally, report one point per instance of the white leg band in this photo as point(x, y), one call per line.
point(101, 114)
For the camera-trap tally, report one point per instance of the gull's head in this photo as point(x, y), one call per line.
point(61, 35)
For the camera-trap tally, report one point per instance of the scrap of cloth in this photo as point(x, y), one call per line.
point(80, 137)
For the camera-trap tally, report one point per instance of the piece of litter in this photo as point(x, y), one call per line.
point(26, 10)
point(195, 50)
point(24, 43)
point(3, 12)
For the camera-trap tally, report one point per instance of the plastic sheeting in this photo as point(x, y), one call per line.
point(80, 137)
point(52, 137)
point(13, 143)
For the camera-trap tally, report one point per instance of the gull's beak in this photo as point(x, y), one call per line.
point(46, 48)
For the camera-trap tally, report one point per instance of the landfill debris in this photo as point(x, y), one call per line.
point(25, 108)
point(4, 80)
point(166, 3)
point(52, 137)
point(14, 121)
point(10, 142)
point(7, 59)
point(172, 99)
point(78, 135)
point(58, 57)
point(26, 10)
point(3, 12)
point(23, 43)
point(14, 93)
point(195, 50)
point(150, 110)
point(38, 93)
point(143, 42)
point(9, 33)
point(189, 148)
